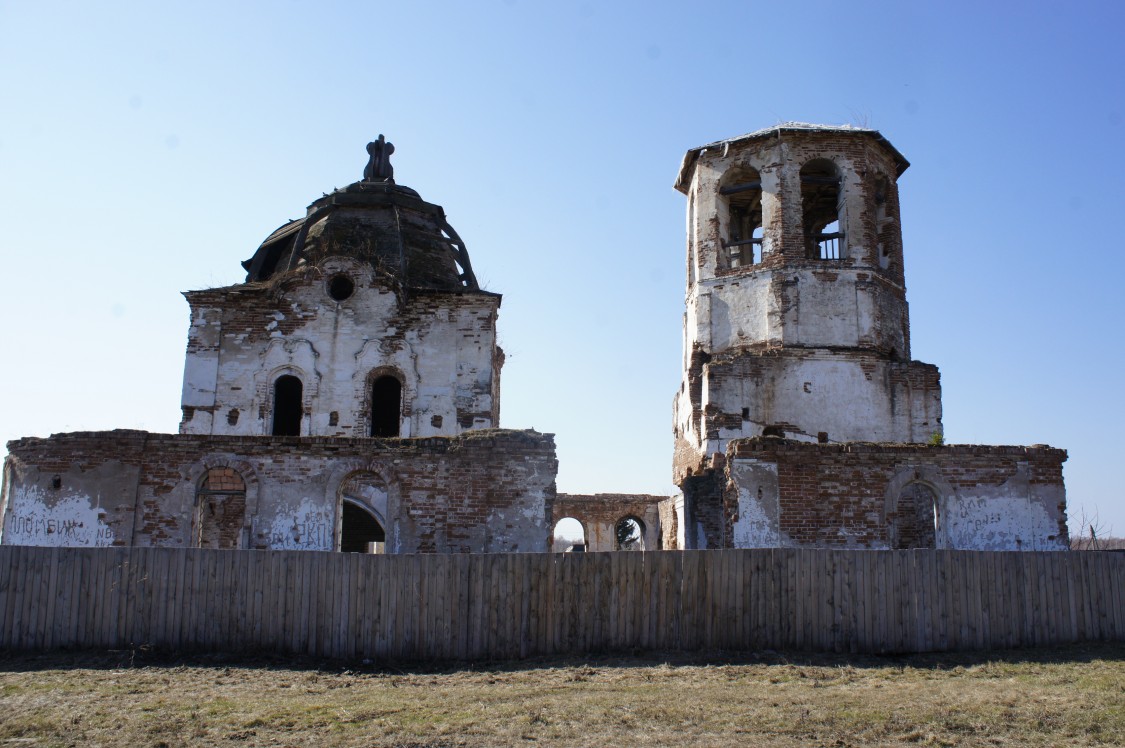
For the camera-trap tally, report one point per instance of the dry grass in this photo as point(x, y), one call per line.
point(1069, 696)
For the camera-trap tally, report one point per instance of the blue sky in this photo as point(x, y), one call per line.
point(148, 148)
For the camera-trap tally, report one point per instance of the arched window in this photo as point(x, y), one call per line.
point(221, 499)
point(363, 508)
point(287, 396)
point(885, 229)
point(742, 191)
point(569, 536)
point(386, 406)
point(629, 534)
point(820, 206)
point(360, 531)
point(916, 517)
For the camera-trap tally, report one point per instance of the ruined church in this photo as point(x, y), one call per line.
point(346, 395)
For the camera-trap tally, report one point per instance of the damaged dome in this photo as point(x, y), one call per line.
point(407, 240)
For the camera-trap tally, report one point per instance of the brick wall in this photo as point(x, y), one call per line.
point(862, 495)
point(600, 513)
point(484, 491)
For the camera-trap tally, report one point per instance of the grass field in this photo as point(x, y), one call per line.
point(1068, 696)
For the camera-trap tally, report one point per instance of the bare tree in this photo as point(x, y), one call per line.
point(1094, 535)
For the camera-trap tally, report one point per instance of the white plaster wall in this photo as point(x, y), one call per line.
point(757, 525)
point(825, 392)
point(201, 365)
point(308, 526)
point(738, 312)
point(1015, 516)
point(743, 310)
point(37, 519)
point(445, 360)
point(681, 521)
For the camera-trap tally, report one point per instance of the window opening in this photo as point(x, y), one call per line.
point(820, 205)
point(340, 287)
point(222, 508)
point(287, 396)
point(386, 406)
point(363, 507)
point(629, 534)
point(880, 198)
point(743, 193)
point(360, 531)
point(569, 536)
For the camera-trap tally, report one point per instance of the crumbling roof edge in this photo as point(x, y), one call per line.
point(683, 177)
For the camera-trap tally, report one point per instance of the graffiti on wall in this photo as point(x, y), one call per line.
point(310, 528)
point(70, 521)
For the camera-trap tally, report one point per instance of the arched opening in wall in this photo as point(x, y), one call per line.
point(569, 536)
point(884, 238)
point(741, 192)
point(880, 197)
point(386, 406)
point(360, 530)
point(221, 506)
point(363, 509)
point(629, 534)
point(820, 207)
point(693, 238)
point(287, 397)
point(916, 517)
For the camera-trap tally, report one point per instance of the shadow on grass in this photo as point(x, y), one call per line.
point(144, 657)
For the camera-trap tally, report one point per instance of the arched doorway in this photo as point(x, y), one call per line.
point(916, 517)
point(221, 499)
point(360, 531)
point(362, 517)
point(569, 536)
point(629, 534)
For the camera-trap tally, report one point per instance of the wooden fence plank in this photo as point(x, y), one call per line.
point(30, 576)
point(10, 594)
point(1102, 583)
point(7, 594)
point(1115, 593)
point(691, 599)
point(984, 581)
point(33, 581)
point(78, 595)
point(46, 562)
point(15, 617)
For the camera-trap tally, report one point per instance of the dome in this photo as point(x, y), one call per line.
point(405, 239)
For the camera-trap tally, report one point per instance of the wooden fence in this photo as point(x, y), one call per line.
point(520, 605)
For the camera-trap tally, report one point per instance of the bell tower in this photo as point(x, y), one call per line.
point(796, 321)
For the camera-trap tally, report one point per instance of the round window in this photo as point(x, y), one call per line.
point(340, 287)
